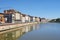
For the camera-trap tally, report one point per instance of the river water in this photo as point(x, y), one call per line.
point(45, 31)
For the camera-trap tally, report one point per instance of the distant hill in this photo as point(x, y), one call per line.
point(55, 20)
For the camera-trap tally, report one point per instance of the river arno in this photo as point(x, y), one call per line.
point(45, 31)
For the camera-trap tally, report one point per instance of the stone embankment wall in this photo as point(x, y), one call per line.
point(8, 27)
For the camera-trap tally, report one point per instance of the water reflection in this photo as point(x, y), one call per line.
point(14, 35)
point(46, 31)
point(36, 27)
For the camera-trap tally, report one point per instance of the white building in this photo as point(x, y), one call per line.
point(33, 19)
point(17, 17)
point(27, 18)
point(23, 18)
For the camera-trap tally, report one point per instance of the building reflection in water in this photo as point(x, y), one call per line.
point(14, 35)
point(35, 27)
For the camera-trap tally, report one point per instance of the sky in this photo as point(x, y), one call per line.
point(40, 8)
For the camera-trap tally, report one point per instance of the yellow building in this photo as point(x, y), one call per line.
point(2, 20)
point(37, 19)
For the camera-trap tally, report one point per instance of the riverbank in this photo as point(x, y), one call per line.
point(7, 28)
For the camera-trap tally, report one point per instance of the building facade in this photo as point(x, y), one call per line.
point(23, 18)
point(37, 19)
point(26, 18)
point(2, 20)
point(12, 16)
point(31, 18)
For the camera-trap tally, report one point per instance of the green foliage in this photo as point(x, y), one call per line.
point(55, 20)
